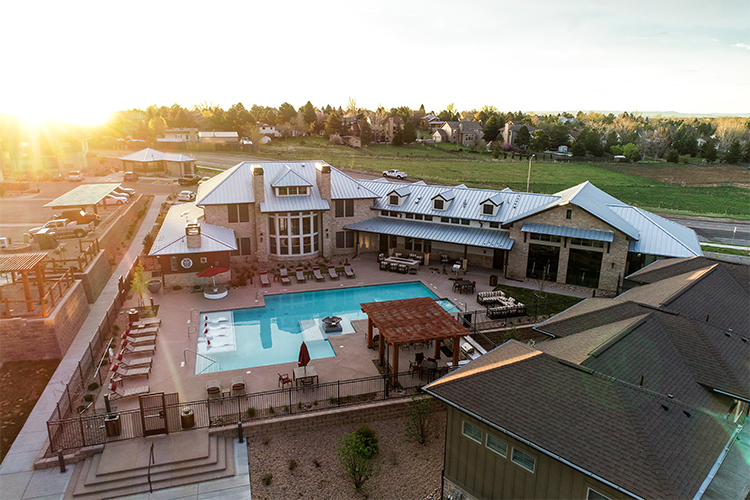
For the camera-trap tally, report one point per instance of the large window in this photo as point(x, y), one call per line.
point(344, 208)
point(543, 262)
point(472, 432)
point(524, 460)
point(295, 233)
point(239, 212)
point(417, 245)
point(496, 445)
point(243, 246)
point(584, 268)
point(345, 239)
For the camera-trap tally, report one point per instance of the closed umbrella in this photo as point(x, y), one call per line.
point(304, 355)
point(211, 272)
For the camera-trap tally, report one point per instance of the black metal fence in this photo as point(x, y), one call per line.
point(89, 430)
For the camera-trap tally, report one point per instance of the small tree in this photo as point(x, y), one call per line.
point(419, 422)
point(139, 283)
point(352, 456)
point(673, 156)
point(734, 155)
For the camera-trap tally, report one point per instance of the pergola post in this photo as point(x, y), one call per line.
point(39, 271)
point(369, 333)
point(381, 349)
point(456, 347)
point(438, 342)
point(27, 290)
point(395, 364)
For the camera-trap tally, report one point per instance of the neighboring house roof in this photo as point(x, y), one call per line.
point(668, 268)
point(468, 127)
point(568, 232)
point(235, 185)
point(172, 239)
point(218, 134)
point(462, 235)
point(442, 133)
point(83, 195)
point(149, 154)
point(648, 444)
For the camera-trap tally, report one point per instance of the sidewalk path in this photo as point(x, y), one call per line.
point(18, 478)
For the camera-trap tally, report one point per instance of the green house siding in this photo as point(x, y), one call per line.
point(479, 473)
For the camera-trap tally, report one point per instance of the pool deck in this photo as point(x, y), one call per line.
point(174, 367)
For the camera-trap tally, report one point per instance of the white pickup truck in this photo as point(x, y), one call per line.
point(395, 173)
point(65, 228)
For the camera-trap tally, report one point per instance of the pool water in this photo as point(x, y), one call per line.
point(261, 336)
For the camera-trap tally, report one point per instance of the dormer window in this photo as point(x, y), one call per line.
point(292, 191)
point(488, 209)
point(393, 200)
point(438, 204)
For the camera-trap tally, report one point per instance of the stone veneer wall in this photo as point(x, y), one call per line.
point(613, 262)
point(45, 338)
point(112, 236)
point(334, 224)
point(96, 276)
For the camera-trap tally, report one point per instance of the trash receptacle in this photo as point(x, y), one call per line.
point(187, 418)
point(26, 237)
point(133, 315)
point(113, 425)
point(493, 279)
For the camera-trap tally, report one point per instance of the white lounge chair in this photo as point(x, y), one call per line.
point(117, 393)
point(348, 271)
point(145, 322)
point(133, 362)
point(136, 341)
point(238, 385)
point(332, 272)
point(264, 281)
point(301, 275)
point(213, 389)
point(123, 372)
point(132, 349)
point(285, 277)
point(318, 276)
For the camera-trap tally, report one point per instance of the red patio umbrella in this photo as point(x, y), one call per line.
point(304, 355)
point(211, 272)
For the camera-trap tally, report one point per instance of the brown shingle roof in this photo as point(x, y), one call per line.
point(620, 432)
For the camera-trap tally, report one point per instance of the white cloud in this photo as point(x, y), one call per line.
point(742, 45)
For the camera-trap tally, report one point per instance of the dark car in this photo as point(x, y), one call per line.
point(129, 176)
point(188, 180)
point(78, 216)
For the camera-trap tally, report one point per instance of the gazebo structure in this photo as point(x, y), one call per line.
point(411, 320)
point(23, 263)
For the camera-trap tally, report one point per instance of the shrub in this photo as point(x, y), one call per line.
point(176, 288)
point(286, 408)
point(88, 398)
point(367, 440)
point(358, 468)
point(115, 329)
point(93, 386)
point(418, 423)
point(292, 464)
point(271, 410)
point(251, 412)
point(266, 480)
point(81, 408)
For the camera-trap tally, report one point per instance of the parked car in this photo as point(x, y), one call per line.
point(186, 196)
point(78, 216)
point(75, 175)
point(112, 199)
point(188, 180)
point(203, 179)
point(64, 227)
point(124, 190)
point(129, 177)
point(394, 172)
point(56, 176)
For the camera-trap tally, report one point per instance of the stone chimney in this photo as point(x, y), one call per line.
point(259, 188)
point(323, 179)
point(193, 232)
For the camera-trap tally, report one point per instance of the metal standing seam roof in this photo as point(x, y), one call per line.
point(83, 196)
point(172, 239)
point(659, 236)
point(310, 202)
point(460, 235)
point(290, 179)
point(568, 232)
point(149, 154)
point(234, 185)
point(344, 187)
point(20, 261)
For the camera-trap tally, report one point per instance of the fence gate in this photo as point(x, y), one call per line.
point(154, 414)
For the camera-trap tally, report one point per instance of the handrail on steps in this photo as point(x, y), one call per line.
point(184, 357)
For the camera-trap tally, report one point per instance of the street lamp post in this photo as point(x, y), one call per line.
point(528, 178)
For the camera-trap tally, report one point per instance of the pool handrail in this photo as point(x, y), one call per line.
point(213, 361)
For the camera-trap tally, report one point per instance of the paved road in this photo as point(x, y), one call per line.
point(727, 232)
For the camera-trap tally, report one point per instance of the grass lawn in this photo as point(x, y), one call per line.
point(729, 251)
point(539, 302)
point(651, 187)
point(22, 383)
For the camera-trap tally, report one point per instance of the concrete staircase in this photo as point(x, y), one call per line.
point(180, 459)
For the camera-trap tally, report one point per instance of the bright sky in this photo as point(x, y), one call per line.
point(80, 60)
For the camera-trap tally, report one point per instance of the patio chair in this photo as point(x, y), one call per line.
point(145, 322)
point(213, 389)
point(284, 379)
point(238, 385)
point(132, 349)
point(123, 372)
point(332, 272)
point(142, 332)
point(117, 393)
point(264, 281)
point(383, 265)
point(348, 270)
point(134, 362)
point(284, 275)
point(136, 341)
point(318, 276)
point(300, 275)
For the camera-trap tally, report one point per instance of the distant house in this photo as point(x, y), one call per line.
point(465, 133)
point(431, 121)
point(510, 132)
point(217, 137)
point(151, 161)
point(269, 130)
point(389, 126)
point(641, 396)
point(180, 135)
point(440, 135)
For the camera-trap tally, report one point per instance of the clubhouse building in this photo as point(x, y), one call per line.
point(307, 211)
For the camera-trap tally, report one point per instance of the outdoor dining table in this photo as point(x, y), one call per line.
point(464, 286)
point(401, 260)
point(305, 373)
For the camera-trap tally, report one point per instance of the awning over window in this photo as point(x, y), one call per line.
point(568, 232)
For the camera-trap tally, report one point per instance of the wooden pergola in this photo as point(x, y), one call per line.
point(411, 320)
point(23, 263)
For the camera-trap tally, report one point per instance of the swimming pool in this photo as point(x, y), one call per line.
point(261, 336)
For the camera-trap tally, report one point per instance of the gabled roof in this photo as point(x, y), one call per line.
point(648, 444)
point(470, 127)
point(668, 268)
point(149, 154)
point(657, 235)
point(442, 133)
point(344, 187)
point(234, 185)
point(289, 178)
point(446, 195)
point(401, 191)
point(496, 199)
point(172, 240)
